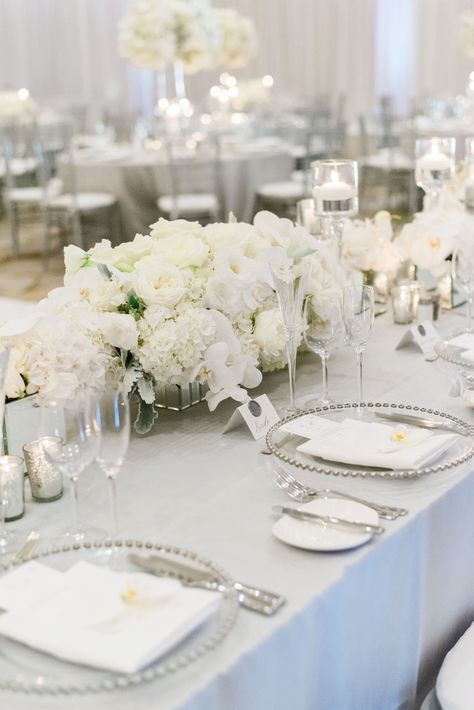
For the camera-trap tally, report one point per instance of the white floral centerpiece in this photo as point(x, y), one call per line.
point(238, 41)
point(154, 33)
point(431, 238)
point(185, 302)
point(368, 246)
point(17, 105)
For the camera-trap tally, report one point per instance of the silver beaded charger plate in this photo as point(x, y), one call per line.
point(284, 445)
point(452, 354)
point(25, 670)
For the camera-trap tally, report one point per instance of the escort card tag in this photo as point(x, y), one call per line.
point(425, 336)
point(258, 414)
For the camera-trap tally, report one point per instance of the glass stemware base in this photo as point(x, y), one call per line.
point(10, 541)
point(81, 535)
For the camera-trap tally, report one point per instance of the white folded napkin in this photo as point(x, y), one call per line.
point(455, 684)
point(465, 341)
point(379, 445)
point(97, 617)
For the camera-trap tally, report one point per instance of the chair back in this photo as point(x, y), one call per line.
point(194, 168)
point(23, 158)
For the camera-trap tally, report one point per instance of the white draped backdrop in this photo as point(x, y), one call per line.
point(360, 48)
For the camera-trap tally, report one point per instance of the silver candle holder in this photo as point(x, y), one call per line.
point(12, 497)
point(46, 480)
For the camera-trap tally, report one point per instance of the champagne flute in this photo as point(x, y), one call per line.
point(462, 269)
point(323, 332)
point(359, 313)
point(113, 419)
point(289, 289)
point(70, 438)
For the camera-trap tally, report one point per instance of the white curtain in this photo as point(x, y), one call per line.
point(66, 50)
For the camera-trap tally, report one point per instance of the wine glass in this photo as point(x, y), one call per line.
point(359, 313)
point(323, 332)
point(290, 289)
point(462, 269)
point(113, 420)
point(70, 438)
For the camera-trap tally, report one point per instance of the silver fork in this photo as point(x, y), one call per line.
point(298, 491)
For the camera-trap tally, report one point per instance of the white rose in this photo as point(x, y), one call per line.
point(157, 283)
point(167, 228)
point(182, 250)
point(118, 330)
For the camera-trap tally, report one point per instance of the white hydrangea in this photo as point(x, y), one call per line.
point(238, 42)
point(170, 348)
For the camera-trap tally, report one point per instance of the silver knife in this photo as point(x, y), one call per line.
point(354, 525)
point(423, 422)
point(258, 600)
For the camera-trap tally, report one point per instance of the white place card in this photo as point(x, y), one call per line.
point(310, 425)
point(424, 335)
point(258, 414)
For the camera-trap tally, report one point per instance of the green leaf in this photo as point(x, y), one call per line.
point(147, 414)
point(86, 261)
point(135, 306)
point(105, 271)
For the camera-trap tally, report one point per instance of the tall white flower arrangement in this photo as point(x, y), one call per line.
point(466, 33)
point(238, 40)
point(154, 33)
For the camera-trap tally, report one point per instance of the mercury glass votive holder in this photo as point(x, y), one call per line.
point(46, 480)
point(403, 304)
point(12, 495)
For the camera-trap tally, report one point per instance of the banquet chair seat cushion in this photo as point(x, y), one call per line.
point(281, 191)
point(189, 204)
point(83, 201)
point(386, 159)
point(25, 195)
point(18, 166)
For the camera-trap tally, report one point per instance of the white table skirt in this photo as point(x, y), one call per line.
point(138, 181)
point(365, 629)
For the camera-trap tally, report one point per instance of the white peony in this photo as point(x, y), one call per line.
point(158, 283)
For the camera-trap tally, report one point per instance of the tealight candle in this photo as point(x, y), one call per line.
point(11, 487)
point(335, 191)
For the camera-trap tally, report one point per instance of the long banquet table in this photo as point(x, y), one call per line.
point(364, 629)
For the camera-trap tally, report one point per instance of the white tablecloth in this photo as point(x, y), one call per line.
point(139, 179)
point(363, 630)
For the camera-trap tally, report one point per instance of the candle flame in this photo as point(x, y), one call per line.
point(334, 175)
